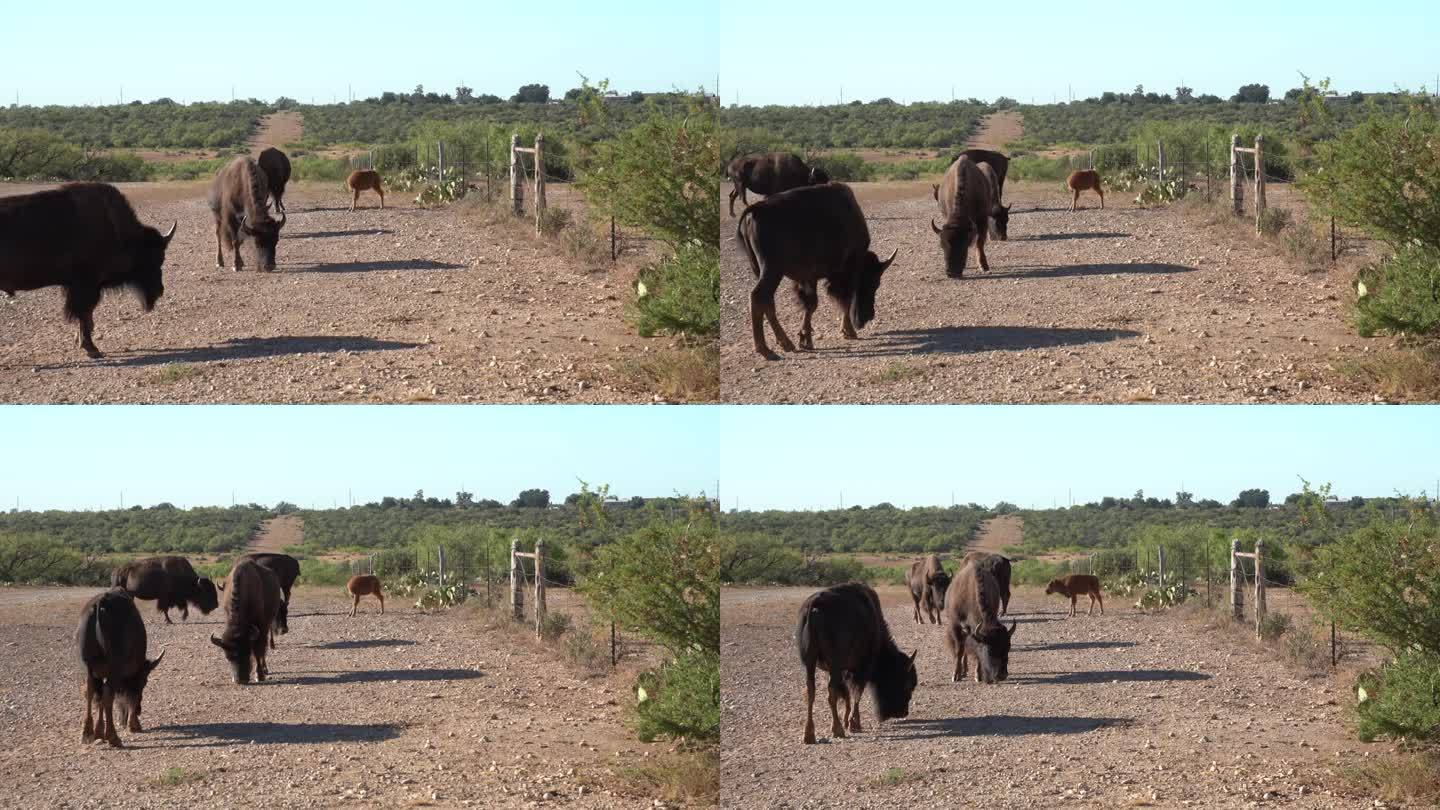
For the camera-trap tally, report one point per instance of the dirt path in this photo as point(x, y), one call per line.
point(397, 305)
point(277, 129)
point(1123, 710)
point(1115, 305)
point(404, 709)
point(997, 129)
point(998, 533)
point(278, 534)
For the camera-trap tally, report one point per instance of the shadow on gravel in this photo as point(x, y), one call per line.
point(370, 267)
point(211, 735)
point(1108, 675)
point(337, 234)
point(971, 339)
point(1081, 645)
point(1053, 237)
point(361, 644)
point(251, 348)
point(1070, 270)
point(377, 675)
point(1003, 725)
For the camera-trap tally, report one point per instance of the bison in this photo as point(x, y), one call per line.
point(239, 202)
point(928, 580)
point(972, 605)
point(770, 173)
point(842, 630)
point(365, 585)
point(171, 581)
point(110, 640)
point(967, 199)
point(1087, 180)
point(252, 600)
point(999, 567)
point(364, 180)
point(85, 239)
point(276, 167)
point(809, 234)
point(286, 569)
point(1073, 585)
point(999, 165)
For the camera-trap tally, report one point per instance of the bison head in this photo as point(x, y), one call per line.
point(147, 259)
point(130, 690)
point(895, 680)
point(818, 177)
point(938, 585)
point(991, 648)
point(1054, 586)
point(266, 234)
point(862, 301)
point(955, 244)
point(237, 652)
point(1000, 222)
point(207, 598)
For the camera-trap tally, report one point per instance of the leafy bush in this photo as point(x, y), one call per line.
point(759, 560)
point(1400, 295)
point(1274, 220)
point(1401, 698)
point(322, 573)
point(680, 295)
point(880, 528)
point(681, 699)
point(33, 154)
point(35, 560)
point(330, 170)
point(1033, 167)
point(932, 125)
point(154, 530)
point(845, 167)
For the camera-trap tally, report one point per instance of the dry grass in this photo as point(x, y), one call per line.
point(1297, 643)
point(897, 372)
point(1411, 374)
point(173, 373)
point(1405, 776)
point(1279, 229)
point(683, 776)
point(679, 374)
point(893, 777)
point(175, 777)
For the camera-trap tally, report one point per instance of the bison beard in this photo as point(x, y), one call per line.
point(84, 238)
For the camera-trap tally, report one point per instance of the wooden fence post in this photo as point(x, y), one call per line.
point(612, 645)
point(1237, 582)
point(440, 562)
point(539, 588)
point(1160, 563)
point(1159, 162)
point(612, 240)
point(439, 162)
point(1259, 180)
point(1237, 177)
point(539, 180)
point(517, 177)
point(1259, 586)
point(517, 579)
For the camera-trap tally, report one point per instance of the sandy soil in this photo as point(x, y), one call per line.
point(996, 130)
point(1116, 305)
point(405, 709)
point(277, 129)
point(278, 534)
point(1125, 709)
point(997, 534)
point(396, 305)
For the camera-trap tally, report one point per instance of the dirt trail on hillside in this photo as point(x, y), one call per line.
point(1121, 710)
point(277, 129)
point(1123, 304)
point(277, 534)
point(997, 129)
point(995, 534)
point(405, 709)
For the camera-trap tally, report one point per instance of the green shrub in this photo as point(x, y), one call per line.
point(1400, 699)
point(680, 295)
point(758, 560)
point(555, 625)
point(323, 573)
point(1274, 220)
point(330, 170)
point(1036, 572)
point(1033, 167)
point(1400, 295)
point(681, 699)
point(844, 167)
point(34, 559)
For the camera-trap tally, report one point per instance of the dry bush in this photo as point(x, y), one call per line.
point(1411, 373)
point(1411, 776)
point(683, 776)
point(679, 374)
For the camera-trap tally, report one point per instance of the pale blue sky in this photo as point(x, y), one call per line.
point(791, 458)
point(802, 52)
point(82, 52)
point(73, 457)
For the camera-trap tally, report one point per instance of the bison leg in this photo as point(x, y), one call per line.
point(735, 192)
point(847, 328)
point(809, 300)
point(854, 697)
point(90, 690)
point(1072, 604)
point(761, 298)
point(1004, 603)
point(381, 192)
point(107, 716)
point(1102, 197)
point(260, 669)
point(355, 606)
point(1076, 200)
point(835, 692)
point(980, 238)
point(355, 199)
point(381, 597)
point(219, 245)
point(809, 703)
point(80, 303)
point(283, 618)
point(916, 600)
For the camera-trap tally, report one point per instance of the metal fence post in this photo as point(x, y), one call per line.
point(517, 578)
point(517, 177)
point(1237, 582)
point(1259, 586)
point(1237, 177)
point(539, 588)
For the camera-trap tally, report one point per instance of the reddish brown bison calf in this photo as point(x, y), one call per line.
point(1087, 180)
point(1073, 585)
point(365, 585)
point(365, 180)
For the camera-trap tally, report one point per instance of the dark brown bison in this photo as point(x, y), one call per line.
point(171, 581)
point(276, 167)
point(1073, 585)
point(84, 238)
point(1087, 180)
point(809, 234)
point(966, 198)
point(999, 567)
point(770, 173)
point(842, 630)
point(110, 640)
point(927, 580)
point(999, 165)
point(252, 601)
point(239, 201)
point(286, 570)
point(972, 606)
point(364, 180)
point(365, 585)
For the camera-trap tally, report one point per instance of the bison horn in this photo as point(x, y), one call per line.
point(1012, 627)
point(150, 665)
point(281, 223)
point(171, 232)
point(245, 225)
point(933, 226)
point(887, 262)
point(217, 642)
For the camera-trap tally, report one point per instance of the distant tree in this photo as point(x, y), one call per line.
point(1294, 498)
point(1208, 98)
point(574, 93)
point(419, 496)
point(282, 508)
point(464, 95)
point(1294, 94)
point(1005, 508)
point(532, 499)
point(637, 97)
point(1184, 499)
point(1108, 502)
point(388, 97)
point(165, 101)
point(884, 506)
point(532, 94)
point(486, 98)
point(574, 498)
point(1108, 97)
point(1006, 103)
point(1184, 95)
point(856, 103)
point(636, 502)
point(1253, 94)
point(389, 502)
point(1357, 502)
point(884, 100)
point(1208, 503)
point(488, 503)
point(286, 103)
point(464, 499)
point(1357, 97)
point(1253, 499)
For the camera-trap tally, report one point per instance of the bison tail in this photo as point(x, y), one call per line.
point(117, 576)
point(747, 216)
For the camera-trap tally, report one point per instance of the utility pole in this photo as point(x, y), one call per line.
point(122, 499)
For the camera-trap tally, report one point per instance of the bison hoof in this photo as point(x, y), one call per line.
point(769, 355)
point(94, 353)
point(87, 738)
point(810, 739)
